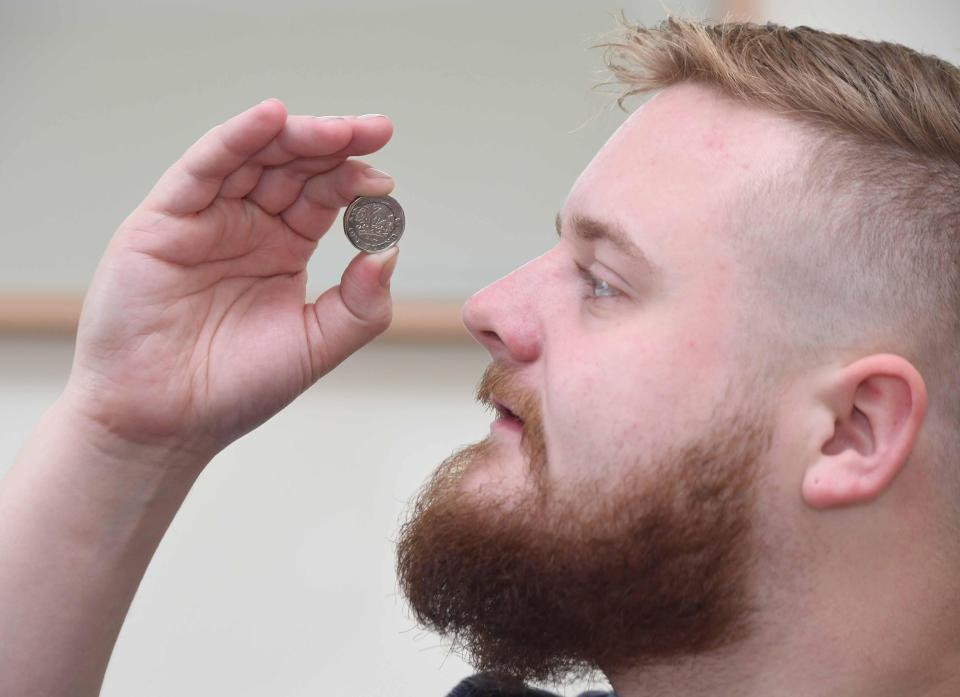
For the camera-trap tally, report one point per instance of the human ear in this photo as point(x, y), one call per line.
point(878, 404)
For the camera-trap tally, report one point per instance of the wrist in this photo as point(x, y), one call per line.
point(82, 425)
point(97, 493)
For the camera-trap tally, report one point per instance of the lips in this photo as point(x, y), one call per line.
point(504, 411)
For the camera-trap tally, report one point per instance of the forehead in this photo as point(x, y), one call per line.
point(670, 173)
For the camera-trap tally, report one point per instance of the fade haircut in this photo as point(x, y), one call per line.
point(857, 250)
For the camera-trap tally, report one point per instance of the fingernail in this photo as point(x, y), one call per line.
point(271, 99)
point(371, 116)
point(388, 266)
point(376, 173)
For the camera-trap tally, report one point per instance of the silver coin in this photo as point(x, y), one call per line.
point(373, 223)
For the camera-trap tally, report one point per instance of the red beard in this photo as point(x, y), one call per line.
point(571, 581)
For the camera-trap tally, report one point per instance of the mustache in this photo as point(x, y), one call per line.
point(502, 382)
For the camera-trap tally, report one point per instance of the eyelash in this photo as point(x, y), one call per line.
point(593, 284)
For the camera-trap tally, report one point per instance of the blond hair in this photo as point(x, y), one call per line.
point(857, 250)
point(874, 89)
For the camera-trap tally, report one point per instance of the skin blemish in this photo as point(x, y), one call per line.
point(713, 141)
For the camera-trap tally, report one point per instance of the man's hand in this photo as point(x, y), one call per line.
point(194, 329)
point(193, 332)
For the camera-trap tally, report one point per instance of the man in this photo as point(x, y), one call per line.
point(725, 462)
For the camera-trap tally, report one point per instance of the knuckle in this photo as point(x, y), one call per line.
point(342, 192)
point(382, 319)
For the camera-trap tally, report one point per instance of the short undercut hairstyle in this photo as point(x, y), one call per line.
point(857, 250)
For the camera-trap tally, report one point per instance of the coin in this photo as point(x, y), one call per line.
point(373, 223)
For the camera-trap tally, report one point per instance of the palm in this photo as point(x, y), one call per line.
point(197, 328)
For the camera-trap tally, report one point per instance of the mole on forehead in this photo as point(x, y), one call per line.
point(589, 229)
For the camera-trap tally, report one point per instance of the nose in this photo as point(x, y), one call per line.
point(505, 318)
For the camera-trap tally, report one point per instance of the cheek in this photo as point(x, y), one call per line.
point(635, 394)
point(601, 413)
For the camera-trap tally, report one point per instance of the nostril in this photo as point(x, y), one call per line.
point(501, 319)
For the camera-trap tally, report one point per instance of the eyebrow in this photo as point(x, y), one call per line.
point(590, 229)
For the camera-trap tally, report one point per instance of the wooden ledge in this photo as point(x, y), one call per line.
point(736, 10)
point(55, 314)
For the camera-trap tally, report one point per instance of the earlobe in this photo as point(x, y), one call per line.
point(843, 481)
point(878, 405)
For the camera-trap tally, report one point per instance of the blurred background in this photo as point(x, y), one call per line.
point(277, 575)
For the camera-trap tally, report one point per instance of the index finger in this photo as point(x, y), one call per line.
point(193, 181)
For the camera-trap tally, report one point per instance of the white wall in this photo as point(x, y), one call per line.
point(929, 26)
point(492, 104)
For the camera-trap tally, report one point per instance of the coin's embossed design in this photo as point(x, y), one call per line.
point(373, 223)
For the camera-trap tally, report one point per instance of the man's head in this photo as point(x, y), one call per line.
point(727, 339)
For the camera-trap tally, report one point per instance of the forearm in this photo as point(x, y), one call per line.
point(80, 519)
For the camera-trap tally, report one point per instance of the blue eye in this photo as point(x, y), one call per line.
point(602, 289)
point(596, 287)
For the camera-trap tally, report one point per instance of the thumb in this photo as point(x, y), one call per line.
point(353, 313)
